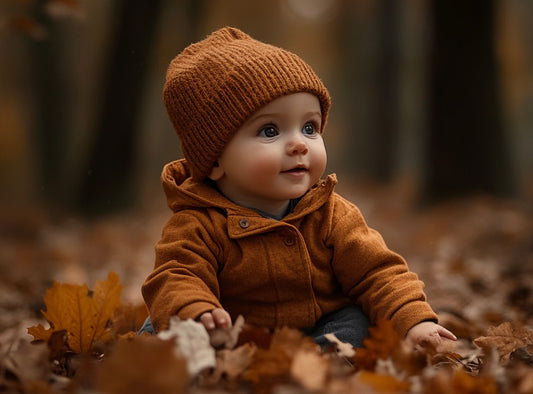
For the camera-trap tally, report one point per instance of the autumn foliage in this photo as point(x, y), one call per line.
point(82, 314)
point(82, 350)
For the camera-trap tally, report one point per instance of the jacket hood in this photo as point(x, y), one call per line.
point(183, 192)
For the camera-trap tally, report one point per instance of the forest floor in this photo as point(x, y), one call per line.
point(475, 256)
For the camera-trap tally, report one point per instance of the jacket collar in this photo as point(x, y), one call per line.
point(183, 192)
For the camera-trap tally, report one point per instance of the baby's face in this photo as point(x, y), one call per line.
point(275, 156)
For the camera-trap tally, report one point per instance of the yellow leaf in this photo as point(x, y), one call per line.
point(106, 297)
point(83, 315)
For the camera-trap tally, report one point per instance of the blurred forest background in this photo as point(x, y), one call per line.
point(429, 133)
point(433, 94)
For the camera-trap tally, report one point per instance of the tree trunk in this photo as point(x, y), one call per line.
point(49, 129)
point(467, 147)
point(110, 173)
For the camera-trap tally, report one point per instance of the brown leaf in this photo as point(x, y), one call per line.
point(259, 336)
point(23, 364)
point(230, 366)
point(145, 364)
point(444, 382)
point(310, 369)
point(129, 318)
point(381, 383)
point(383, 342)
point(464, 383)
point(83, 315)
point(227, 338)
point(507, 337)
point(273, 365)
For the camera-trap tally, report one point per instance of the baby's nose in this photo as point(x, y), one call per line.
point(297, 146)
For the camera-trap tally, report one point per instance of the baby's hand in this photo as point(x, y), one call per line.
point(217, 318)
point(428, 333)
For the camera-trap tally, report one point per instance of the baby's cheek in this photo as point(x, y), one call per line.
point(262, 168)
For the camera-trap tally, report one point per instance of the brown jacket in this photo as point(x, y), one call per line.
point(317, 259)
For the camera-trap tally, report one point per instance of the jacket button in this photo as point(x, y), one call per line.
point(244, 223)
point(289, 241)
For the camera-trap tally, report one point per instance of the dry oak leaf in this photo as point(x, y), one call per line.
point(83, 314)
point(506, 338)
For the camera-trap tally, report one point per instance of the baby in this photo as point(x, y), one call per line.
point(255, 230)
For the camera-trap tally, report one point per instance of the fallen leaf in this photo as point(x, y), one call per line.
point(383, 342)
point(462, 382)
point(227, 338)
point(84, 315)
point(23, 365)
point(506, 338)
point(129, 318)
point(192, 343)
point(343, 349)
point(381, 383)
point(259, 336)
point(272, 366)
point(146, 364)
point(310, 369)
point(230, 366)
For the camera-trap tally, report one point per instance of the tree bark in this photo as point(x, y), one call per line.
point(467, 147)
point(110, 172)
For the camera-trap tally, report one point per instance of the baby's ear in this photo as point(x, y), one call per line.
point(217, 172)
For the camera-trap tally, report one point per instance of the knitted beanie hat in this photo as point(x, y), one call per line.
point(216, 84)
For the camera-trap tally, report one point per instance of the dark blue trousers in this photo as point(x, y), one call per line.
point(349, 324)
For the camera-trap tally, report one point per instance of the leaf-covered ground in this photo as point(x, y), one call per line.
point(475, 255)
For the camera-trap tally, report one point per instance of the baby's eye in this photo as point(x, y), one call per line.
point(309, 129)
point(268, 132)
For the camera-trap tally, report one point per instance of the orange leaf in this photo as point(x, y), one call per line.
point(464, 383)
point(83, 315)
point(382, 343)
point(40, 333)
point(129, 318)
point(273, 365)
point(145, 364)
point(381, 383)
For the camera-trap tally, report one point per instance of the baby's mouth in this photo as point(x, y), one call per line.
point(295, 170)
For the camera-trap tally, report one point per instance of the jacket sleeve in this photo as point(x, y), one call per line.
point(372, 275)
point(184, 279)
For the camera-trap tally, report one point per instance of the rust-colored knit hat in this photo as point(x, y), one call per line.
point(216, 84)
